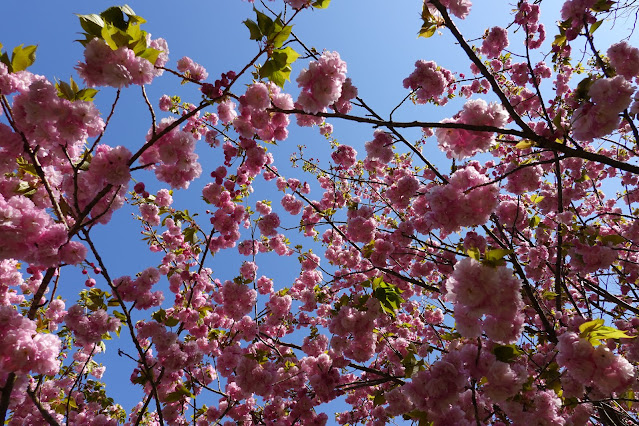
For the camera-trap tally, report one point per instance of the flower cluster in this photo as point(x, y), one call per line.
point(460, 143)
point(452, 206)
point(254, 117)
point(600, 116)
point(430, 82)
point(173, 156)
point(491, 292)
point(593, 366)
point(322, 83)
point(119, 68)
point(24, 350)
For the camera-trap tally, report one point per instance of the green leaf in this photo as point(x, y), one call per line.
point(525, 144)
point(388, 296)
point(265, 23)
point(116, 17)
point(507, 353)
point(286, 56)
point(497, 254)
point(604, 333)
point(474, 253)
point(560, 40)
point(171, 322)
point(256, 33)
point(65, 91)
point(379, 399)
point(4, 58)
point(430, 23)
point(594, 331)
point(150, 54)
point(23, 57)
point(92, 24)
point(602, 6)
point(613, 239)
point(179, 393)
point(590, 326)
point(321, 4)
point(106, 34)
point(281, 36)
point(136, 33)
point(276, 75)
point(86, 94)
point(119, 315)
point(74, 85)
point(534, 198)
point(594, 26)
point(427, 31)
point(534, 221)
point(159, 316)
point(583, 87)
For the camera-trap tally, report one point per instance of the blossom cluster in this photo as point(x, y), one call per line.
point(460, 143)
point(482, 291)
point(119, 68)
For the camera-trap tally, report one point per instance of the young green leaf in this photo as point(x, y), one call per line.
point(256, 33)
point(321, 4)
point(265, 23)
point(23, 57)
point(281, 35)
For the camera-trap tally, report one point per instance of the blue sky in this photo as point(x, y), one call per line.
point(377, 38)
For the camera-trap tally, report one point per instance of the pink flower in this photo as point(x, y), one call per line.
point(192, 69)
point(321, 83)
point(459, 143)
point(495, 42)
point(430, 83)
point(625, 59)
point(380, 148)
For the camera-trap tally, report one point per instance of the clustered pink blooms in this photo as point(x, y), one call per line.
point(88, 329)
point(380, 148)
point(625, 59)
point(527, 17)
point(345, 156)
point(493, 293)
point(591, 366)
point(254, 117)
point(51, 122)
point(29, 233)
point(192, 69)
point(10, 280)
point(23, 349)
point(450, 207)
point(459, 8)
point(119, 68)
point(430, 83)
point(527, 178)
point(173, 157)
point(495, 42)
point(460, 143)
point(298, 4)
point(322, 84)
point(139, 290)
point(577, 12)
point(600, 116)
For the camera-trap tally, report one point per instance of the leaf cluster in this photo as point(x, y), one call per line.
point(274, 34)
point(72, 92)
point(118, 26)
point(21, 58)
point(595, 331)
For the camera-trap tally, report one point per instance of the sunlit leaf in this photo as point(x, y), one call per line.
point(23, 57)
